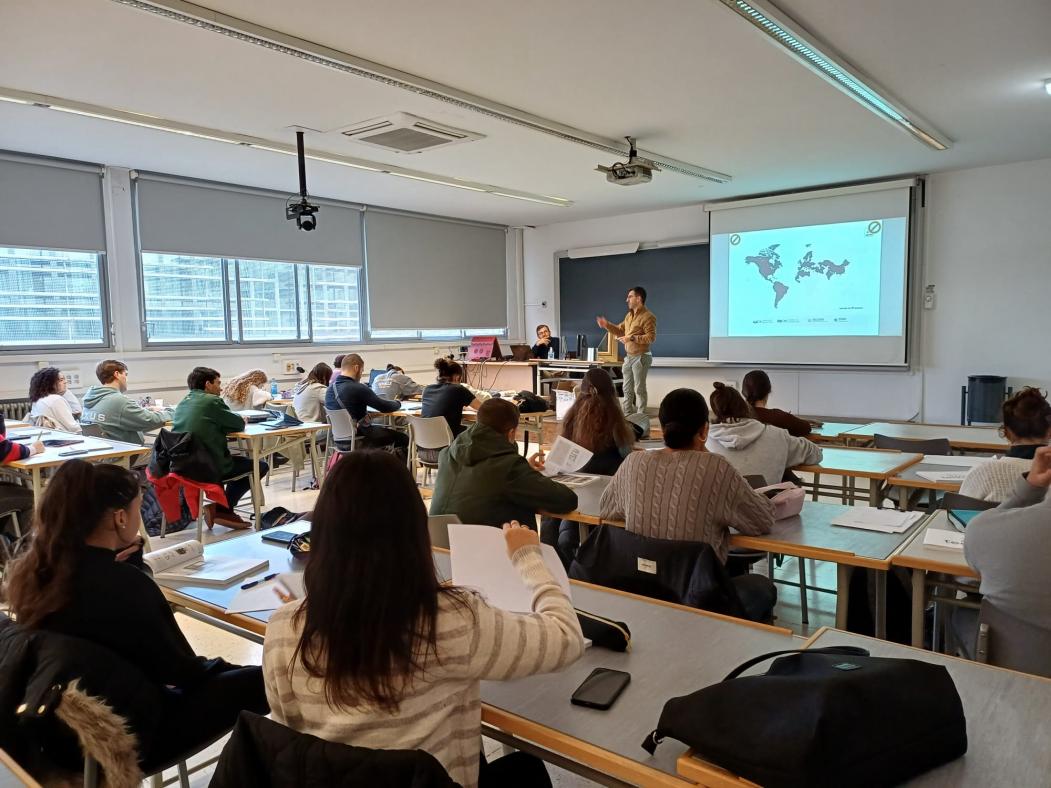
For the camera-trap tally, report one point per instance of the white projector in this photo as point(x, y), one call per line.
point(634, 170)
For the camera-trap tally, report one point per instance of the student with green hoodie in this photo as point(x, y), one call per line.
point(484, 480)
point(118, 416)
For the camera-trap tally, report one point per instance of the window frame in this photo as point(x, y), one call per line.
point(104, 305)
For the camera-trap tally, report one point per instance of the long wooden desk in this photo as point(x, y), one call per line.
point(98, 450)
point(14, 776)
point(831, 432)
point(926, 565)
point(253, 436)
point(852, 464)
point(675, 650)
point(969, 438)
point(908, 482)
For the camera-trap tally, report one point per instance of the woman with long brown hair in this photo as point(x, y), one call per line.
point(380, 654)
point(308, 397)
point(82, 576)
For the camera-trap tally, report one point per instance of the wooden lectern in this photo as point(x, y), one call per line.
point(609, 350)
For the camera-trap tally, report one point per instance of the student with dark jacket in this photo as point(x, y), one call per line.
point(756, 390)
point(203, 413)
point(348, 393)
point(484, 480)
point(82, 576)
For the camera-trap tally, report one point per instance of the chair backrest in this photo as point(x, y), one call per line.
point(1006, 642)
point(92, 431)
point(438, 525)
point(956, 501)
point(430, 433)
point(342, 425)
point(939, 446)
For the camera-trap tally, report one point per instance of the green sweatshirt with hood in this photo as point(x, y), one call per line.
point(119, 417)
point(483, 479)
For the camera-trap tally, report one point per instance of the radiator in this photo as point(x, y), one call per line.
point(15, 409)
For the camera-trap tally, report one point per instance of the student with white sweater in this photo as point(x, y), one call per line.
point(308, 397)
point(49, 406)
point(1027, 426)
point(754, 448)
point(405, 674)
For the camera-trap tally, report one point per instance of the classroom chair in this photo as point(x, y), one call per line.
point(438, 527)
point(10, 550)
point(342, 429)
point(92, 431)
point(1006, 642)
point(953, 500)
point(431, 434)
point(933, 446)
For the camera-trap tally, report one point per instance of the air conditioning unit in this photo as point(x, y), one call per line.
point(405, 133)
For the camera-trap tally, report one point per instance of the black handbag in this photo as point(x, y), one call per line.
point(823, 717)
point(528, 402)
point(181, 453)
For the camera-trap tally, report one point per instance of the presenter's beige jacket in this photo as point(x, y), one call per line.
point(641, 325)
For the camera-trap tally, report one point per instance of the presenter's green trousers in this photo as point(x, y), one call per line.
point(635, 369)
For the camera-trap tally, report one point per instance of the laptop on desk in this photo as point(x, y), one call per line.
point(521, 353)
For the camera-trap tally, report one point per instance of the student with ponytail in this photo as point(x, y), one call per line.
point(684, 492)
point(1027, 426)
point(83, 576)
point(448, 396)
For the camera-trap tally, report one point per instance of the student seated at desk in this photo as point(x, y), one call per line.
point(83, 576)
point(596, 422)
point(752, 447)
point(1010, 547)
point(395, 384)
point(337, 363)
point(546, 346)
point(246, 392)
point(683, 491)
point(203, 412)
point(118, 416)
point(50, 408)
point(15, 497)
point(349, 394)
point(1026, 418)
point(484, 480)
point(308, 397)
point(756, 390)
point(407, 676)
point(448, 396)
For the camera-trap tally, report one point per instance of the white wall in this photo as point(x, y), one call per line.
point(986, 253)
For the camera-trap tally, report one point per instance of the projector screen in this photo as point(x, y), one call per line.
point(811, 280)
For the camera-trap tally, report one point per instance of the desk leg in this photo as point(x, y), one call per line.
point(875, 493)
point(38, 491)
point(881, 604)
point(919, 605)
point(843, 574)
point(257, 486)
point(313, 458)
point(903, 499)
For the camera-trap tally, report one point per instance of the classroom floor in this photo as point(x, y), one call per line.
point(214, 642)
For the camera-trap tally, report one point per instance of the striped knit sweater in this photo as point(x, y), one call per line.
point(994, 480)
point(9, 450)
point(440, 712)
point(692, 496)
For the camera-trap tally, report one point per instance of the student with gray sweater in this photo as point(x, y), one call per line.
point(754, 448)
point(1010, 547)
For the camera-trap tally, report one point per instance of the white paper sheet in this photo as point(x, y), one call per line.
point(943, 540)
point(954, 459)
point(565, 457)
point(942, 476)
point(886, 521)
point(264, 597)
point(480, 561)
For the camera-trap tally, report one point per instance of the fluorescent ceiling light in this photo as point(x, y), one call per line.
point(830, 66)
point(216, 135)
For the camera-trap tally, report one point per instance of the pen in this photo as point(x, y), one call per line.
point(260, 580)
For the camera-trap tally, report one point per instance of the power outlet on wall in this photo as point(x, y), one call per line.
point(72, 377)
point(928, 297)
point(290, 367)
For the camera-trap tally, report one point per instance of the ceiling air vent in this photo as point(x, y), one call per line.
point(405, 133)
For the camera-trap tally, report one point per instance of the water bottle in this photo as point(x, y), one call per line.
point(273, 388)
point(550, 352)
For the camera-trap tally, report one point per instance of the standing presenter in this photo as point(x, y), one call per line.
point(636, 333)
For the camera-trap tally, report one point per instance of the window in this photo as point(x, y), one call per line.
point(51, 298)
point(192, 299)
point(440, 333)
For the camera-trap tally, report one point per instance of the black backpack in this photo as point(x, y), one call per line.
point(823, 718)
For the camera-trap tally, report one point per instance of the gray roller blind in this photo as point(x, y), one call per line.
point(195, 219)
point(434, 273)
point(44, 206)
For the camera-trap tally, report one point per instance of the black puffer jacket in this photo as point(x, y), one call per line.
point(265, 754)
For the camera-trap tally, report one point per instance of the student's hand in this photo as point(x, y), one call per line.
point(602, 322)
point(1040, 472)
point(283, 593)
point(537, 461)
point(544, 341)
point(130, 550)
point(36, 448)
point(518, 536)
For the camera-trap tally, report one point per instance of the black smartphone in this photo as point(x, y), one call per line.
point(601, 688)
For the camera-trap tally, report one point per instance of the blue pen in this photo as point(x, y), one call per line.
point(260, 580)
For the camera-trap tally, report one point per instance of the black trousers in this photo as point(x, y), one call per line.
point(377, 437)
point(563, 535)
point(517, 770)
point(192, 718)
point(235, 490)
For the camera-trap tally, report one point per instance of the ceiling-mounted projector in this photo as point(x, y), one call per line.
point(634, 170)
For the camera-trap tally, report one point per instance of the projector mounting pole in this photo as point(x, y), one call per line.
point(302, 165)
